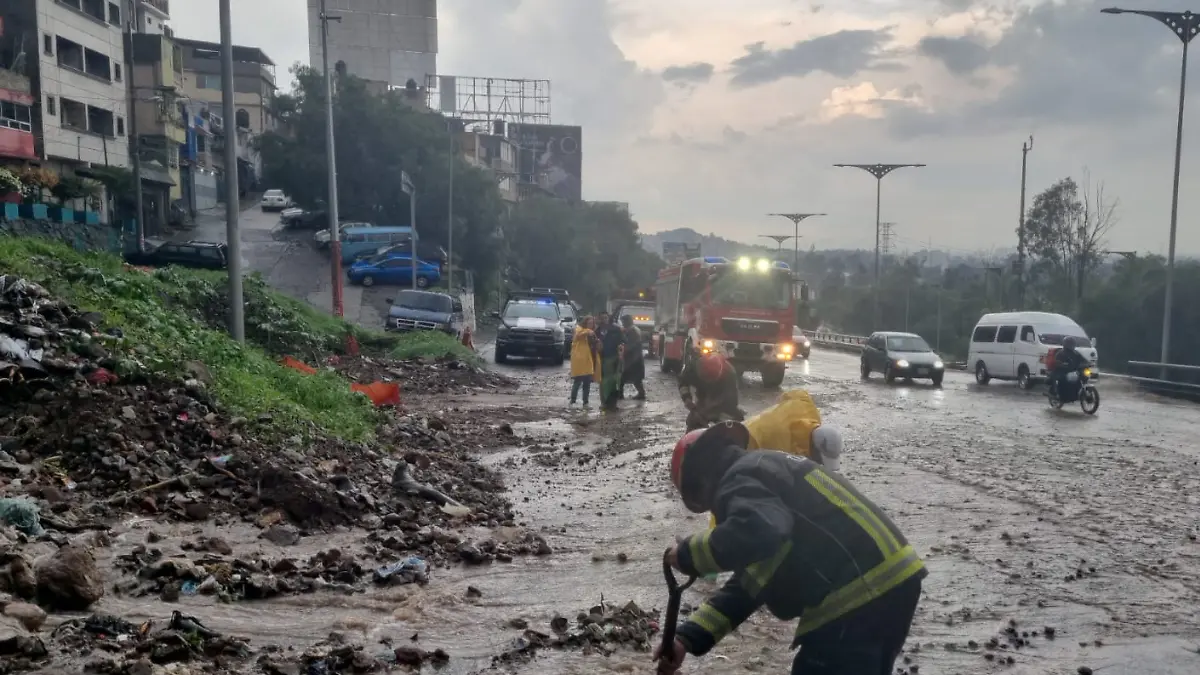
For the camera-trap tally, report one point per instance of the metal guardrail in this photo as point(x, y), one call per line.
point(823, 337)
point(1161, 385)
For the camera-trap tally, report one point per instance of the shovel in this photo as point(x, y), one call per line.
point(674, 598)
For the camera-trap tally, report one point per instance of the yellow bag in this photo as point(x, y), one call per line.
point(786, 426)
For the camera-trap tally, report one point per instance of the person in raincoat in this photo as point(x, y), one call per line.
point(585, 349)
point(634, 370)
point(708, 387)
point(612, 348)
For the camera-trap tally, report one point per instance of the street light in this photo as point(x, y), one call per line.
point(879, 171)
point(796, 218)
point(1185, 26)
point(233, 237)
point(779, 239)
point(407, 187)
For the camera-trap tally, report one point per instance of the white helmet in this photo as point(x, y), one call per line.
point(827, 447)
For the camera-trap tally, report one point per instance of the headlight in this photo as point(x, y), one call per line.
point(502, 328)
point(1087, 372)
point(707, 344)
point(806, 342)
point(902, 364)
point(788, 349)
point(938, 365)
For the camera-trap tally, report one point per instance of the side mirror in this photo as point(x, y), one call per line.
point(494, 315)
point(457, 307)
point(1093, 342)
point(390, 301)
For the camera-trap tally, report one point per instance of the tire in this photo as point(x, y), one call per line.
point(1024, 379)
point(501, 356)
point(981, 373)
point(422, 282)
point(368, 280)
point(559, 357)
point(1089, 400)
point(772, 376)
point(864, 369)
point(663, 365)
point(888, 375)
point(937, 381)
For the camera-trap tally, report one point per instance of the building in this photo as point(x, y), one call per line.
point(152, 16)
point(495, 153)
point(158, 110)
point(386, 42)
point(17, 67)
point(253, 93)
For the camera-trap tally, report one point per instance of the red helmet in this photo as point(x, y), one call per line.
point(712, 367)
point(734, 432)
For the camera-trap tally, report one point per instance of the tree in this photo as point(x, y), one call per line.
point(1065, 233)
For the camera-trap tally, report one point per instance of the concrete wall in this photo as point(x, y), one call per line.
point(83, 237)
point(55, 19)
point(205, 187)
point(388, 41)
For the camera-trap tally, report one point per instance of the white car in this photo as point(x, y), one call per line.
point(322, 237)
point(275, 200)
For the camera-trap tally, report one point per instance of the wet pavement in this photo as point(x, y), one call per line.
point(1086, 525)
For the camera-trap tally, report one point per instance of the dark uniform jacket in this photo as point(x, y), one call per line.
point(801, 541)
point(719, 397)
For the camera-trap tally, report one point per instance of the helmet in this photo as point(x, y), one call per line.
point(732, 432)
point(827, 446)
point(1069, 343)
point(712, 367)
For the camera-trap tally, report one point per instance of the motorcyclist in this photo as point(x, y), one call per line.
point(709, 389)
point(802, 541)
point(1066, 360)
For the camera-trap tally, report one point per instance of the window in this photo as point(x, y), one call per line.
point(101, 121)
point(15, 116)
point(51, 107)
point(114, 14)
point(94, 9)
point(74, 115)
point(208, 82)
point(201, 143)
point(210, 253)
point(117, 72)
point(70, 54)
point(242, 117)
point(97, 65)
point(354, 238)
point(1028, 334)
point(120, 126)
point(984, 334)
point(48, 44)
point(907, 343)
point(1006, 334)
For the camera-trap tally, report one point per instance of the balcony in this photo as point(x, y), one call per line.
point(160, 7)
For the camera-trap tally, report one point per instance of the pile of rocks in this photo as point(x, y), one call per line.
point(423, 376)
point(603, 629)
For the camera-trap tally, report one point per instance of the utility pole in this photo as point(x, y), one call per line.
point(796, 218)
point(938, 339)
point(1025, 148)
point(335, 233)
point(135, 143)
point(237, 326)
point(1185, 26)
point(449, 210)
point(407, 187)
point(886, 233)
point(878, 171)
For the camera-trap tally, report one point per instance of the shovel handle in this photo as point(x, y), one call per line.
point(674, 598)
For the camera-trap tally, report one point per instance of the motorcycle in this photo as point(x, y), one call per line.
point(1077, 387)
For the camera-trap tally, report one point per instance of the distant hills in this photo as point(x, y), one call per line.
point(710, 244)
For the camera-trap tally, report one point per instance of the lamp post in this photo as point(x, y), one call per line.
point(237, 323)
point(1185, 26)
point(449, 212)
point(878, 171)
point(407, 187)
point(335, 234)
point(1025, 148)
point(779, 239)
point(796, 218)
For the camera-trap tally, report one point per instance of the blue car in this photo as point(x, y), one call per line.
point(395, 270)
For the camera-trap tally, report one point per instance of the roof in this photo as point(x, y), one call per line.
point(892, 333)
point(240, 54)
point(1027, 317)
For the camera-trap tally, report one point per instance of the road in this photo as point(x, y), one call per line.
point(1047, 518)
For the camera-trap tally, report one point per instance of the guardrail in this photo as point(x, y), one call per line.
point(1162, 385)
point(854, 344)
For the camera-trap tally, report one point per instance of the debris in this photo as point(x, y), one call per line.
point(21, 514)
point(68, 579)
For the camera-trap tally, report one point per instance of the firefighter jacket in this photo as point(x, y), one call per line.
point(716, 397)
point(799, 540)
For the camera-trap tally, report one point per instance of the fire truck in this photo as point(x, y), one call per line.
point(638, 303)
point(743, 310)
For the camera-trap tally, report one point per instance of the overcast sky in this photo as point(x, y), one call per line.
point(711, 113)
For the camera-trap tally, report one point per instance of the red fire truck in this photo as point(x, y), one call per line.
point(742, 309)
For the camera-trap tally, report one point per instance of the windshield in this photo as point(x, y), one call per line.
point(755, 290)
point(429, 302)
point(567, 312)
point(639, 314)
point(530, 310)
point(907, 343)
point(1059, 333)
point(273, 193)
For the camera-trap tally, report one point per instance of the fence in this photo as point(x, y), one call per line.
point(1175, 388)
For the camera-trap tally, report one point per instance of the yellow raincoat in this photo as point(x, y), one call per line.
point(786, 426)
point(583, 358)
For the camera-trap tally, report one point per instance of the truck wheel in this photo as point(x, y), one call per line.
point(501, 356)
point(772, 376)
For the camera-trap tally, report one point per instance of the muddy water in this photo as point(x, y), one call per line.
point(1006, 499)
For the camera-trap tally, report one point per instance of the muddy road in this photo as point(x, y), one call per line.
point(1048, 519)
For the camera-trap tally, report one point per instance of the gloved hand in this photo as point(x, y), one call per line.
point(674, 661)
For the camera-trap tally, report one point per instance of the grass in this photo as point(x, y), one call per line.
point(430, 344)
point(173, 316)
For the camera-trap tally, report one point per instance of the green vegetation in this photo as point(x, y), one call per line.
point(587, 248)
point(432, 345)
point(173, 316)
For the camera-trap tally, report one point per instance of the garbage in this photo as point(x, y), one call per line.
point(21, 514)
point(412, 569)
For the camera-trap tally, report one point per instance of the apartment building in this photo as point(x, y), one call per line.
point(80, 82)
point(495, 153)
point(17, 139)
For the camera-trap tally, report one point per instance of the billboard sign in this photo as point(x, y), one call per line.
point(676, 252)
point(551, 157)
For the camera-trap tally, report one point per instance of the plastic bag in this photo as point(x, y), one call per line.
point(21, 514)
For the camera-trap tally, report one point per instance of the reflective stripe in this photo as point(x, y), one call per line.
point(879, 580)
point(759, 574)
point(713, 622)
point(845, 500)
point(701, 552)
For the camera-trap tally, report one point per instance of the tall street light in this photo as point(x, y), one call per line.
point(1185, 26)
point(779, 239)
point(1025, 148)
point(335, 234)
point(796, 218)
point(879, 171)
point(407, 187)
point(233, 238)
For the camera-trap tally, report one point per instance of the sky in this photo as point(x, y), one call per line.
point(710, 114)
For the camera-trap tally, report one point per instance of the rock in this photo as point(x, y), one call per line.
point(473, 592)
point(518, 623)
point(170, 593)
point(197, 511)
point(18, 578)
point(218, 545)
point(281, 535)
point(140, 667)
point(30, 616)
point(68, 580)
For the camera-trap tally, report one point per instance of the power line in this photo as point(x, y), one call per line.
point(886, 234)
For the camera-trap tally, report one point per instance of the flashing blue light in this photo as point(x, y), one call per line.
point(782, 265)
point(715, 260)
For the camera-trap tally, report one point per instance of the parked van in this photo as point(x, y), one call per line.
point(1013, 345)
point(358, 242)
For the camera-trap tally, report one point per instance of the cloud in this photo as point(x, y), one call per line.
point(960, 55)
point(842, 54)
point(693, 73)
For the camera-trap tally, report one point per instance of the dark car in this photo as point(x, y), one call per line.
point(530, 327)
point(306, 219)
point(903, 355)
point(199, 254)
point(426, 251)
point(422, 310)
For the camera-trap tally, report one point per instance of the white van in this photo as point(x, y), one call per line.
point(1013, 345)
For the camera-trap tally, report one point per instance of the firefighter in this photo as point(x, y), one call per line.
point(800, 540)
point(709, 389)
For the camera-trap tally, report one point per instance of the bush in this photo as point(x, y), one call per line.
point(432, 345)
